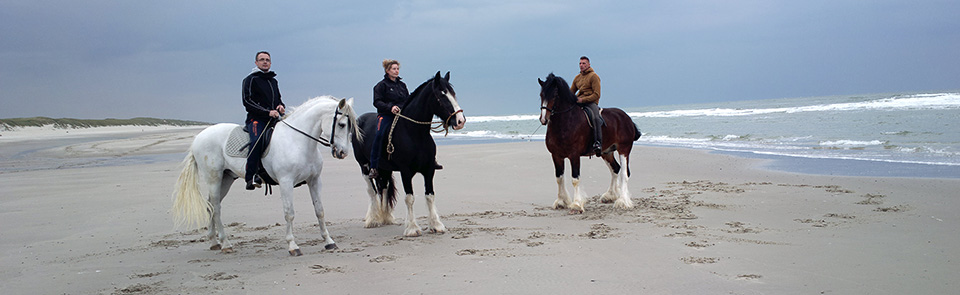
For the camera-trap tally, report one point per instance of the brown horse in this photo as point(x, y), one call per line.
point(569, 136)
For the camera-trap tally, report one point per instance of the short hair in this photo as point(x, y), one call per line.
point(585, 57)
point(258, 54)
point(389, 62)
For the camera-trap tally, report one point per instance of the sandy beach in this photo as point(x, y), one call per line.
point(703, 224)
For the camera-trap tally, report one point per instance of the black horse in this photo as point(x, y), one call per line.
point(568, 136)
point(409, 149)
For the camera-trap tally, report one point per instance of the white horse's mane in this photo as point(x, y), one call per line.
point(309, 104)
point(321, 100)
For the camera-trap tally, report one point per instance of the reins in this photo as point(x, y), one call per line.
point(321, 140)
point(436, 129)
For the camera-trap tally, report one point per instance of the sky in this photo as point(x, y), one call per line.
point(186, 59)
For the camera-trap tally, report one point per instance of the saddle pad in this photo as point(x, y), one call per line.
point(237, 145)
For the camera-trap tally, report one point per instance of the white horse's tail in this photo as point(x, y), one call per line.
point(189, 206)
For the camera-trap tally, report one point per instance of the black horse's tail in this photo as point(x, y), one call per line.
point(636, 136)
point(388, 183)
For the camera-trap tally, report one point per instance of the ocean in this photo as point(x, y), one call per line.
point(899, 134)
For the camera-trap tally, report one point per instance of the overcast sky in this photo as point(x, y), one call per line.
point(186, 59)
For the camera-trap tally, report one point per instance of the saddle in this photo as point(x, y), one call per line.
point(238, 146)
point(588, 149)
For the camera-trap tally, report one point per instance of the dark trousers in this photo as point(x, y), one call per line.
point(257, 143)
point(593, 114)
point(383, 123)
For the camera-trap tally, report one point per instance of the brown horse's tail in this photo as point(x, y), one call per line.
point(636, 136)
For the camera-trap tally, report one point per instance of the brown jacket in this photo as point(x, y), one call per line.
point(589, 85)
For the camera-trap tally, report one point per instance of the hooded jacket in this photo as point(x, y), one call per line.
point(261, 94)
point(589, 85)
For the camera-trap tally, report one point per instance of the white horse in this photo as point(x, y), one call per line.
point(292, 158)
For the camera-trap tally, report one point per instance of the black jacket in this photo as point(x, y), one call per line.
point(387, 94)
point(261, 95)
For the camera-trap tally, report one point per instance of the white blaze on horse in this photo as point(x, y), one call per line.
point(568, 136)
point(292, 158)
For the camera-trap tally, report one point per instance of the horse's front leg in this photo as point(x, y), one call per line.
point(563, 199)
point(318, 209)
point(412, 229)
point(576, 206)
point(286, 195)
point(435, 225)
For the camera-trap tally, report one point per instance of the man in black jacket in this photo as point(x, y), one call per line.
point(261, 98)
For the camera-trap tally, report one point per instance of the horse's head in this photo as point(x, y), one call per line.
point(343, 126)
point(552, 91)
point(447, 107)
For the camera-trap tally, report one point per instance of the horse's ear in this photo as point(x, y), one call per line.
point(437, 76)
point(447, 76)
point(343, 102)
point(349, 101)
point(541, 82)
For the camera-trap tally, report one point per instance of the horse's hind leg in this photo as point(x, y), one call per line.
point(613, 192)
point(623, 181)
point(329, 244)
point(380, 211)
point(373, 211)
point(217, 235)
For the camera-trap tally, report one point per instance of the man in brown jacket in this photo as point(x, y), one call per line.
point(586, 85)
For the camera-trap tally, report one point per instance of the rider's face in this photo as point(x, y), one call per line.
point(263, 62)
point(584, 64)
point(394, 71)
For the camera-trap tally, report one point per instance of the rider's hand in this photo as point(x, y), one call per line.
point(274, 114)
point(281, 109)
point(395, 110)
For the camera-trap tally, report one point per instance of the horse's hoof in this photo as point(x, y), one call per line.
point(215, 247)
point(607, 199)
point(412, 233)
point(295, 252)
point(558, 204)
point(330, 246)
point(623, 204)
point(227, 250)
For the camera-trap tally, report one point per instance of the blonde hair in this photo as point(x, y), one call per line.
point(389, 62)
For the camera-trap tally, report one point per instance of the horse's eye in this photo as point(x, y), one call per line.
point(444, 92)
point(343, 125)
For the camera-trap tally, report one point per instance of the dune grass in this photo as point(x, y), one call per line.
point(70, 123)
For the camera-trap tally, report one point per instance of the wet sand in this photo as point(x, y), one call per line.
point(703, 224)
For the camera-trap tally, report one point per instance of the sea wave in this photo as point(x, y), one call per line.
point(905, 102)
point(479, 119)
point(900, 102)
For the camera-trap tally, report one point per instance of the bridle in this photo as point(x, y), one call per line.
point(441, 126)
point(572, 106)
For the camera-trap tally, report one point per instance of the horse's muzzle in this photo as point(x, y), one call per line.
point(461, 121)
point(339, 153)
